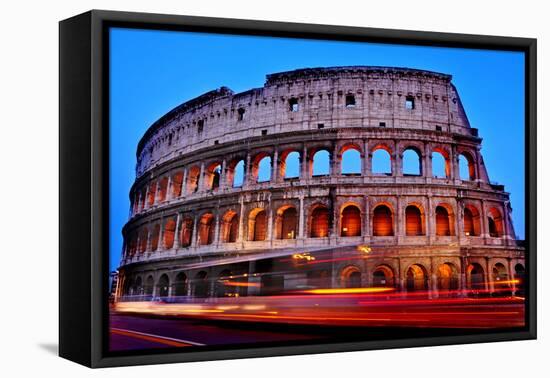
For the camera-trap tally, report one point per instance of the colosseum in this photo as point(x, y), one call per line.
point(302, 184)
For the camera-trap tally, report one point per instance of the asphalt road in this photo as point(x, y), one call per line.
point(129, 332)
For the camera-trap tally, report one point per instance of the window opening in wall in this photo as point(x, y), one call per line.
point(411, 163)
point(240, 114)
point(320, 125)
point(382, 124)
point(264, 132)
point(350, 101)
point(381, 162)
point(293, 104)
point(321, 163)
point(409, 102)
point(200, 126)
point(438, 128)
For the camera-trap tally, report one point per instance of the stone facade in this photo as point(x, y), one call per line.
point(193, 224)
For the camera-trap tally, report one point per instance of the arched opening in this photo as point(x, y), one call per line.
point(180, 285)
point(272, 284)
point(381, 161)
point(193, 179)
point(235, 173)
point(177, 184)
point(350, 221)
point(257, 225)
point(414, 221)
point(169, 233)
point(466, 167)
point(319, 223)
point(318, 279)
point(142, 247)
point(149, 286)
point(441, 164)
point(221, 289)
point(138, 287)
point(230, 227)
point(417, 278)
point(383, 276)
point(443, 224)
point(213, 176)
point(261, 167)
point(287, 223)
point(496, 226)
point(206, 229)
point(351, 160)
point(350, 277)
point(155, 238)
point(132, 245)
point(186, 232)
point(129, 287)
point(519, 276)
point(321, 163)
point(447, 278)
point(382, 221)
point(200, 284)
point(143, 199)
point(471, 221)
point(475, 277)
point(501, 282)
point(163, 286)
point(163, 189)
point(152, 194)
point(412, 163)
point(290, 165)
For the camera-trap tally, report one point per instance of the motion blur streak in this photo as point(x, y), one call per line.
point(359, 290)
point(363, 307)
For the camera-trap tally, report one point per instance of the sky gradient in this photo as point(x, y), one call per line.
point(152, 72)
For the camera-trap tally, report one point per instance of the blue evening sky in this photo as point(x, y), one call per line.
point(153, 71)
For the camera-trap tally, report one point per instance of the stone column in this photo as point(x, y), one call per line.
point(304, 168)
point(462, 283)
point(511, 276)
point(184, 184)
point(240, 236)
point(216, 228)
point(427, 171)
point(460, 219)
point(169, 189)
point(335, 162)
point(367, 157)
point(223, 175)
point(275, 166)
point(176, 232)
point(194, 233)
point(161, 245)
point(399, 219)
point(483, 221)
point(149, 242)
point(433, 279)
point(430, 232)
point(201, 180)
point(247, 171)
point(301, 219)
point(269, 222)
point(367, 230)
point(146, 199)
point(489, 275)
point(453, 159)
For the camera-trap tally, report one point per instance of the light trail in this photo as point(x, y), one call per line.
point(169, 341)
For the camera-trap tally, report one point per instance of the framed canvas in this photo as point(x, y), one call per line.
point(235, 188)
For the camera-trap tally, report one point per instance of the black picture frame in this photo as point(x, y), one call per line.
point(84, 174)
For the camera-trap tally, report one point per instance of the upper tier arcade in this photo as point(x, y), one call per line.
point(308, 99)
